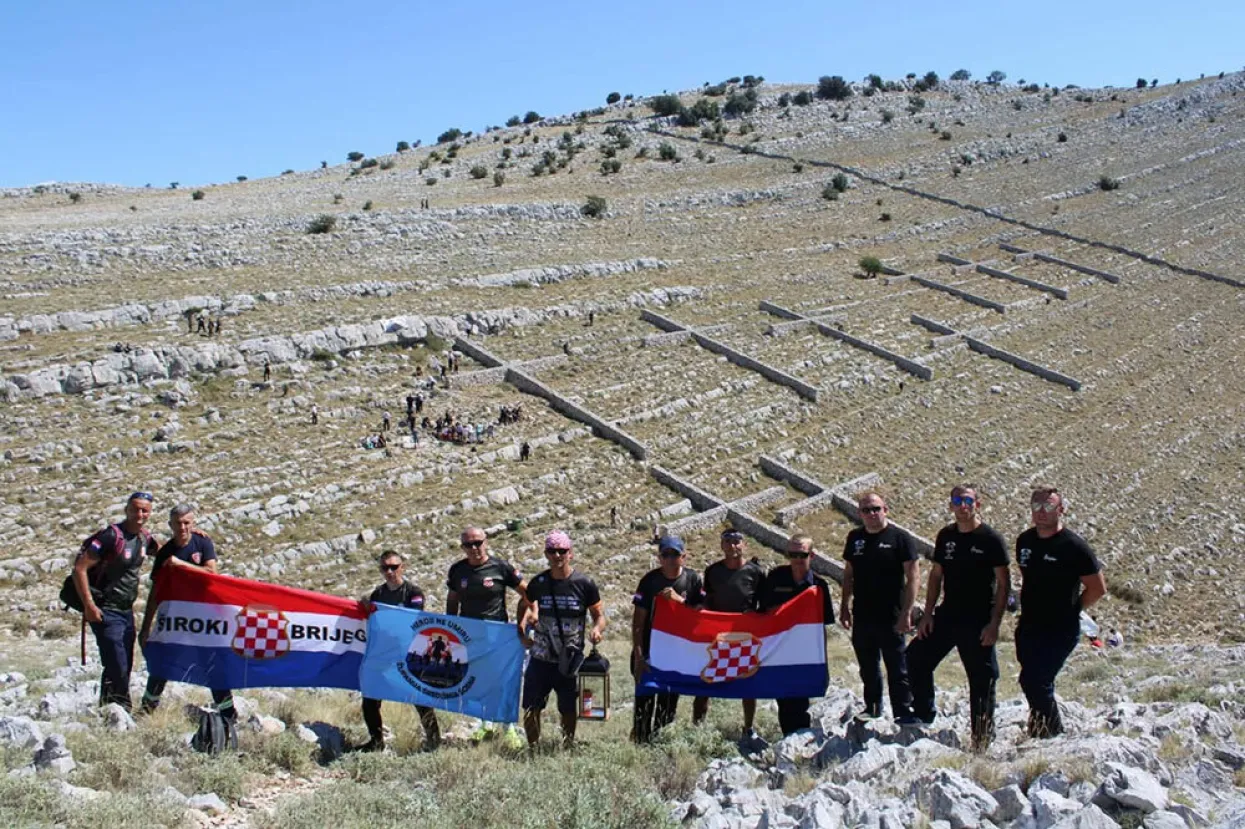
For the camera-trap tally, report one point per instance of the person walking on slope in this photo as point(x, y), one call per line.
point(970, 574)
point(1060, 578)
point(880, 579)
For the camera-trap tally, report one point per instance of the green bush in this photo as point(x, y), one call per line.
point(945, 135)
point(430, 181)
point(354, 156)
point(198, 195)
point(241, 178)
point(610, 166)
point(479, 171)
point(871, 266)
point(667, 152)
point(830, 193)
point(368, 163)
point(403, 146)
point(802, 98)
point(1108, 183)
point(75, 197)
point(839, 182)
point(784, 100)
point(452, 134)
point(885, 217)
point(322, 224)
point(367, 205)
point(961, 75)
point(531, 117)
point(833, 88)
point(1062, 138)
point(996, 77)
point(337, 198)
point(613, 98)
point(665, 105)
point(875, 82)
point(499, 178)
point(887, 116)
point(741, 103)
point(388, 164)
point(595, 207)
point(513, 121)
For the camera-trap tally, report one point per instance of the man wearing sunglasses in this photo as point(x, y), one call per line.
point(880, 579)
point(396, 590)
point(671, 580)
point(731, 586)
point(970, 574)
point(559, 601)
point(781, 585)
point(477, 590)
point(1060, 577)
point(106, 576)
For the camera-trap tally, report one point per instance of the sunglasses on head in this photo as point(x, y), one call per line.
point(962, 500)
point(1043, 506)
point(670, 554)
point(798, 555)
point(390, 568)
point(556, 551)
point(141, 496)
point(873, 510)
point(473, 545)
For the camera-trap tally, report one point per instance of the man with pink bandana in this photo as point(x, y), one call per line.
point(559, 601)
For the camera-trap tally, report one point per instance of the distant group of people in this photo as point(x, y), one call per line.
point(204, 325)
point(967, 594)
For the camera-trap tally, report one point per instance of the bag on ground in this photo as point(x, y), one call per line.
point(216, 733)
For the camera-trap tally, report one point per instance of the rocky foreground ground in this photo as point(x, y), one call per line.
point(1060, 301)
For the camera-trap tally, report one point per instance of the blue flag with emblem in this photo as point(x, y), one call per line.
point(468, 666)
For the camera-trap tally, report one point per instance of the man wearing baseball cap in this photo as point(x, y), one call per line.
point(671, 580)
point(559, 601)
point(731, 586)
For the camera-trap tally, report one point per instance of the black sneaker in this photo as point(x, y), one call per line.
point(374, 744)
point(910, 721)
point(867, 715)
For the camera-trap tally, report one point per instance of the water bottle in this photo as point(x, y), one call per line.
point(1088, 626)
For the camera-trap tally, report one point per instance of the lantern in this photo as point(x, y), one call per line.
point(594, 687)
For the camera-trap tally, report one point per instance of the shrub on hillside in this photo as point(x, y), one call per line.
point(368, 163)
point(241, 178)
point(198, 195)
point(531, 117)
point(996, 77)
point(870, 266)
point(513, 121)
point(322, 224)
point(741, 103)
point(499, 178)
point(665, 105)
point(961, 75)
point(839, 182)
point(667, 152)
point(75, 197)
point(479, 171)
point(833, 88)
point(388, 164)
point(802, 98)
point(367, 205)
point(613, 98)
point(610, 166)
point(354, 156)
point(830, 193)
point(452, 134)
point(403, 146)
point(887, 116)
point(1108, 183)
point(595, 207)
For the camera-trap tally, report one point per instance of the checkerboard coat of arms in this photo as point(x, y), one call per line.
point(261, 633)
point(734, 655)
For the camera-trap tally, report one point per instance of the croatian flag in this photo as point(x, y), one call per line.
point(468, 666)
point(225, 632)
point(739, 655)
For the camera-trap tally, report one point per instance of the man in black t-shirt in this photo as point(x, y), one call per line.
point(970, 573)
point(189, 547)
point(781, 585)
point(655, 711)
point(115, 574)
point(1060, 577)
point(397, 591)
point(477, 589)
point(731, 586)
point(559, 601)
point(880, 579)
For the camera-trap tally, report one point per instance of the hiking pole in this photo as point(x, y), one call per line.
point(82, 640)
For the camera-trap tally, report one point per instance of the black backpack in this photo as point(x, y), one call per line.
point(216, 733)
point(108, 550)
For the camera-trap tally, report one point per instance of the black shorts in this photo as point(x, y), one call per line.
point(542, 677)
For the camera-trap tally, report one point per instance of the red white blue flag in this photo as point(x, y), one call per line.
point(771, 655)
point(225, 632)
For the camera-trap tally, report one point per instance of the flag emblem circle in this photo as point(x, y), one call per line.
point(734, 655)
point(261, 633)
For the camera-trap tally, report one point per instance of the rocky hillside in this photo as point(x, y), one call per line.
point(683, 315)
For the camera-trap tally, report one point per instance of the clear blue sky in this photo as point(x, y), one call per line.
point(200, 92)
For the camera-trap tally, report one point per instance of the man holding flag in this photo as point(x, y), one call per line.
point(654, 709)
point(781, 585)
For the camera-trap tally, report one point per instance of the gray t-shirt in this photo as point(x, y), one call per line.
point(574, 595)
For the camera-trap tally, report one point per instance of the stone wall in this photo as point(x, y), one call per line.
point(1062, 293)
point(530, 385)
point(961, 293)
point(1023, 364)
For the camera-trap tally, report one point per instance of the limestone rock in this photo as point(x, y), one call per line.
point(1134, 788)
